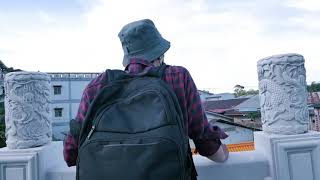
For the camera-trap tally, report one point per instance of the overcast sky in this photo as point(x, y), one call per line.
point(218, 41)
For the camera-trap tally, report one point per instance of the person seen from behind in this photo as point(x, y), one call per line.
point(144, 48)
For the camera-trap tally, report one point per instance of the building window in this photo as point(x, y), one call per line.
point(57, 90)
point(57, 112)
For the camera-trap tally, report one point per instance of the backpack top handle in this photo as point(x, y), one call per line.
point(115, 75)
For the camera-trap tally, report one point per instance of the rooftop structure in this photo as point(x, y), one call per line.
point(222, 105)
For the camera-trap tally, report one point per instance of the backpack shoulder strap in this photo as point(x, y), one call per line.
point(113, 75)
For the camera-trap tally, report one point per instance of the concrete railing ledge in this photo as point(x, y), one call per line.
point(249, 165)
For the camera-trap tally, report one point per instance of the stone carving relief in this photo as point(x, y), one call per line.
point(283, 94)
point(27, 112)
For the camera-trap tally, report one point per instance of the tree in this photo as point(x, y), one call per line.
point(254, 115)
point(2, 136)
point(313, 87)
point(1, 108)
point(240, 91)
point(4, 69)
point(2, 127)
point(252, 92)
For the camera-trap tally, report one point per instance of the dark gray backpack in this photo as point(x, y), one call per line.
point(134, 130)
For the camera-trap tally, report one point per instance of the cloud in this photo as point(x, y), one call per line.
point(309, 5)
point(218, 41)
point(46, 18)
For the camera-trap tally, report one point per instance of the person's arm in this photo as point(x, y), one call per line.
point(221, 155)
point(70, 144)
point(205, 136)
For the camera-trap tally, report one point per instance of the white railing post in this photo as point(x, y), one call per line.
point(29, 152)
point(293, 152)
point(27, 112)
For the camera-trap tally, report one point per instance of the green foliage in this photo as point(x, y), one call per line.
point(252, 92)
point(240, 91)
point(2, 135)
point(2, 127)
point(1, 109)
point(254, 115)
point(313, 87)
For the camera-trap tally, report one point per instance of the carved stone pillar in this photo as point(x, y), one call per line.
point(293, 152)
point(27, 112)
point(283, 94)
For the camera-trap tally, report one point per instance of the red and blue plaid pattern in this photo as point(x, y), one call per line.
point(205, 136)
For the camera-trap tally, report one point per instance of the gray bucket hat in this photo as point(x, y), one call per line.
point(141, 39)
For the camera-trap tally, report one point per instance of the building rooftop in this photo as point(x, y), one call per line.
point(75, 75)
point(222, 105)
point(252, 104)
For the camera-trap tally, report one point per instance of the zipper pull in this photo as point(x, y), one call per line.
point(91, 131)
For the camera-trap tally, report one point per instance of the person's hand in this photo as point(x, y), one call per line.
point(226, 151)
point(221, 155)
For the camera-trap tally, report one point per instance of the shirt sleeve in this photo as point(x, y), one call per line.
point(70, 144)
point(205, 136)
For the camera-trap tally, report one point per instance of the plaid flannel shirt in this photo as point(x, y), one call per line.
point(205, 136)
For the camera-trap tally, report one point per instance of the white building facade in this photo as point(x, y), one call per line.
point(66, 93)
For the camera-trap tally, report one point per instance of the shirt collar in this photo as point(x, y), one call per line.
point(137, 65)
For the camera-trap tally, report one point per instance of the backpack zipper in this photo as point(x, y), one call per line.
point(91, 131)
point(94, 123)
